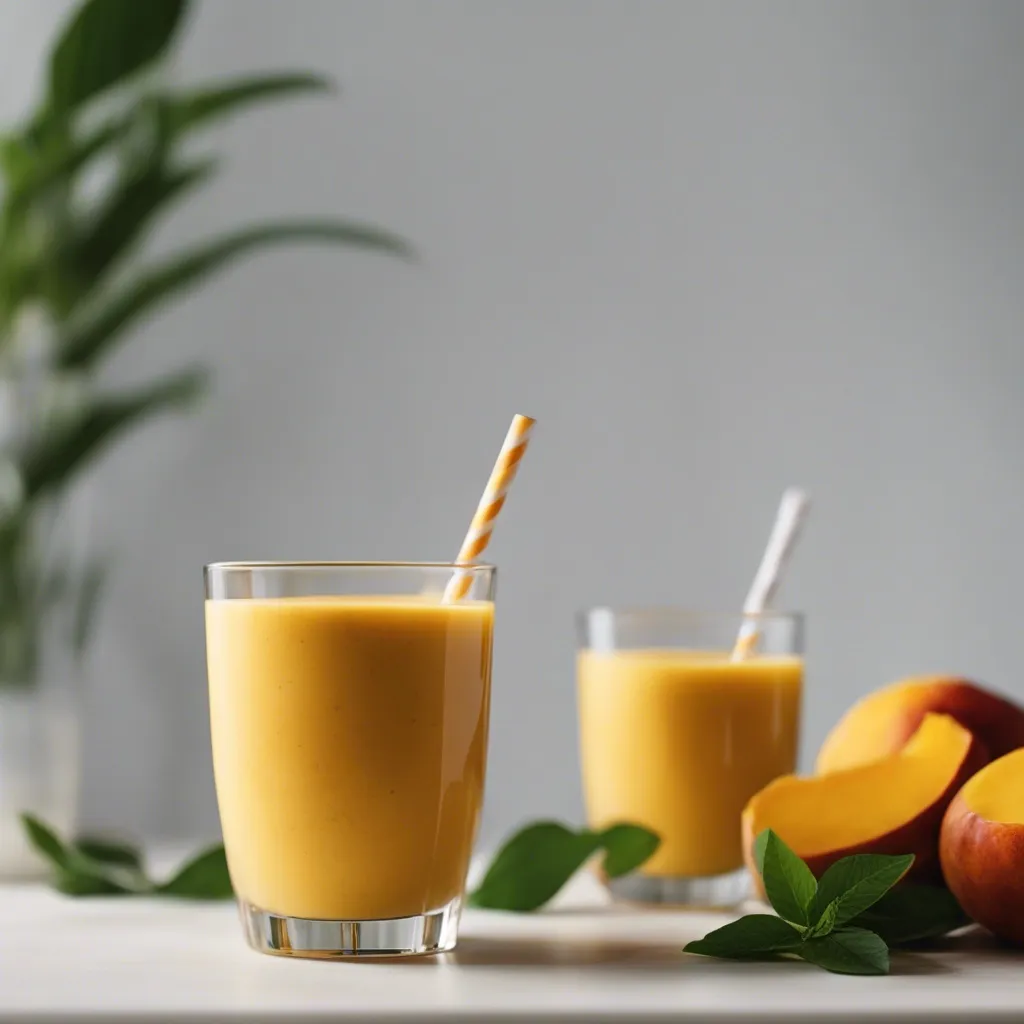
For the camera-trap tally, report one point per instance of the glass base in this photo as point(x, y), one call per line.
point(422, 935)
point(710, 892)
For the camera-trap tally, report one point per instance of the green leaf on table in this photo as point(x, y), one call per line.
point(109, 851)
point(104, 43)
point(626, 848)
point(848, 951)
point(75, 870)
point(842, 921)
point(87, 341)
point(749, 937)
point(58, 454)
point(539, 859)
point(853, 884)
point(913, 913)
point(78, 883)
point(46, 842)
point(95, 866)
point(788, 882)
point(205, 877)
point(824, 922)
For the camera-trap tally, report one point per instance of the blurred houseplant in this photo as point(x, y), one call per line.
point(85, 178)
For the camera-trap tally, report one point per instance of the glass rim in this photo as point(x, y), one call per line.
point(452, 566)
point(684, 612)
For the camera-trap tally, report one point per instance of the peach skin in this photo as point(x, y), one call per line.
point(882, 722)
point(982, 847)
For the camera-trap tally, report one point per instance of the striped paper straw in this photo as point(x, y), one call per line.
point(789, 520)
point(482, 526)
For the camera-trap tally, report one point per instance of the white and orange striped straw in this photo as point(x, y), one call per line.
point(482, 526)
point(789, 520)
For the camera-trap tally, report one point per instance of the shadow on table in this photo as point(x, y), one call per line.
point(531, 952)
point(528, 951)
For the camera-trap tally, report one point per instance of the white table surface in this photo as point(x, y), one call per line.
point(150, 960)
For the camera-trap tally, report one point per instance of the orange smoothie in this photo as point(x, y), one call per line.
point(679, 740)
point(349, 745)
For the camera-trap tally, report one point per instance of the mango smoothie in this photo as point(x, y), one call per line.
point(679, 740)
point(349, 745)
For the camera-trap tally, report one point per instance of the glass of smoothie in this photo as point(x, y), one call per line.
point(677, 733)
point(349, 712)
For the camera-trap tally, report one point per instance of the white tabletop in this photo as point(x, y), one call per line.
point(149, 960)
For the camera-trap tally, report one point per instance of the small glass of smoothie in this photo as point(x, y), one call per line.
point(349, 712)
point(677, 733)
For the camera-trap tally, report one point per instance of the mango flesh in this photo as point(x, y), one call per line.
point(981, 847)
point(894, 805)
point(881, 723)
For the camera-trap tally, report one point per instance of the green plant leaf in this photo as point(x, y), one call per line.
point(104, 43)
point(532, 866)
point(913, 913)
point(189, 110)
point(750, 936)
point(63, 158)
point(109, 851)
point(205, 877)
point(539, 859)
point(788, 882)
point(854, 883)
point(627, 847)
point(102, 867)
point(824, 922)
point(56, 456)
point(85, 343)
point(848, 951)
point(80, 884)
point(124, 217)
point(77, 872)
point(47, 842)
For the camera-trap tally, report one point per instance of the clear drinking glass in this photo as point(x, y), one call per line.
point(349, 713)
point(676, 735)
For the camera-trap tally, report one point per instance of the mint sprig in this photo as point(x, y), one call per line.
point(100, 867)
point(842, 922)
point(539, 859)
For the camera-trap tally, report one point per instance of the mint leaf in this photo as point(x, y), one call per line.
point(855, 883)
point(540, 858)
point(788, 882)
point(532, 866)
point(46, 842)
point(75, 872)
point(108, 851)
point(848, 951)
point(913, 913)
point(826, 922)
point(102, 867)
point(750, 936)
point(79, 883)
point(205, 877)
point(627, 847)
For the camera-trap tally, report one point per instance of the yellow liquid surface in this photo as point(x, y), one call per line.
point(678, 741)
point(349, 746)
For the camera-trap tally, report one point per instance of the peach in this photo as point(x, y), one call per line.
point(894, 805)
point(982, 847)
point(883, 721)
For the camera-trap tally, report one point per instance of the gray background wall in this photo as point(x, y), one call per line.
point(716, 248)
